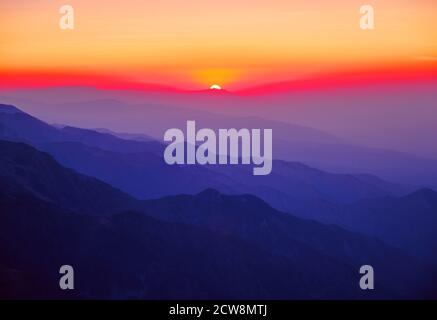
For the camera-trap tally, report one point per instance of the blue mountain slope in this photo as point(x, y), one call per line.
point(202, 246)
point(408, 222)
point(137, 167)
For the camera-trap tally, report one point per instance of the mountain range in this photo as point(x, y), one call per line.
point(133, 166)
point(373, 129)
point(91, 191)
point(207, 245)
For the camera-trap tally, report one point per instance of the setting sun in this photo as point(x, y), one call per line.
point(215, 87)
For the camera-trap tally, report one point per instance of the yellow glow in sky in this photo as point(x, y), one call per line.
point(194, 43)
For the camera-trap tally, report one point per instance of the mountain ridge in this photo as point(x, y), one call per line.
point(283, 237)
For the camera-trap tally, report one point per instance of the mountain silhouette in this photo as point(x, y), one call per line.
point(137, 168)
point(132, 256)
point(36, 173)
point(207, 245)
point(408, 222)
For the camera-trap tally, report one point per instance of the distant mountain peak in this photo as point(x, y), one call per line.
point(210, 192)
point(81, 130)
point(8, 108)
point(424, 194)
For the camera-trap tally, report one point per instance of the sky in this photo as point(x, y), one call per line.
point(193, 44)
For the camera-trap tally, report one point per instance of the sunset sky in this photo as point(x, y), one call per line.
point(193, 44)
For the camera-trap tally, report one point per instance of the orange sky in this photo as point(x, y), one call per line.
point(192, 44)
